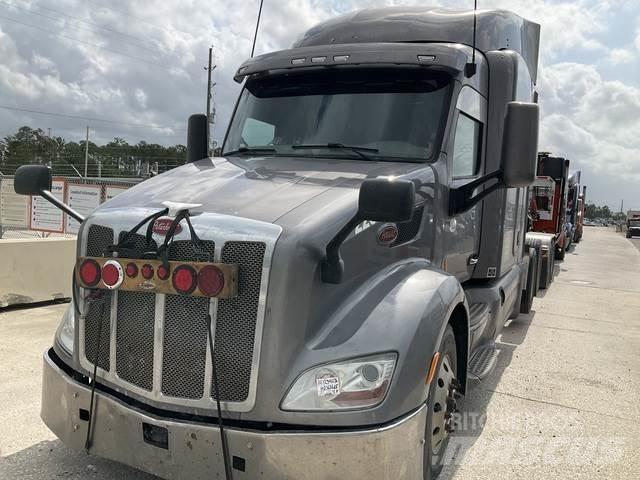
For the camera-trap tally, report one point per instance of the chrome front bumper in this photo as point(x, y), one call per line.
point(194, 451)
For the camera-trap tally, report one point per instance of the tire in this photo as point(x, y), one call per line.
point(629, 235)
point(442, 384)
point(526, 301)
point(544, 272)
point(537, 244)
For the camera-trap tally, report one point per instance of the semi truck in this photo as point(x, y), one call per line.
point(633, 223)
point(579, 230)
point(548, 207)
point(574, 207)
point(313, 303)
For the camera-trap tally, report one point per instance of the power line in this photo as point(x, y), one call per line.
point(140, 59)
point(91, 119)
point(31, 12)
point(141, 19)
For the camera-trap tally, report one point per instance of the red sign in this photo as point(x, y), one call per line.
point(162, 226)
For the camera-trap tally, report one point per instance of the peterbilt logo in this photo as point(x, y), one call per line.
point(387, 234)
point(162, 225)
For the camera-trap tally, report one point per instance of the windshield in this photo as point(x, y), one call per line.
point(634, 223)
point(394, 114)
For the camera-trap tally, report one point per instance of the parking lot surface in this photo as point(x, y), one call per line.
point(563, 402)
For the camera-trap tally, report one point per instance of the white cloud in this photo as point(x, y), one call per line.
point(142, 62)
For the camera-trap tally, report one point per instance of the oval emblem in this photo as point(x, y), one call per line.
point(387, 234)
point(162, 225)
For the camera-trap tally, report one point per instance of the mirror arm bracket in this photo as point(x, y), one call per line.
point(332, 267)
point(47, 195)
point(462, 199)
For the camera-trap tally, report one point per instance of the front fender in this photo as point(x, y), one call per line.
point(405, 309)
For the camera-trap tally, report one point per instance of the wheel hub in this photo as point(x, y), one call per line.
point(444, 405)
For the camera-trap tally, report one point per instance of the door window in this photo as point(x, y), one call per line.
point(466, 147)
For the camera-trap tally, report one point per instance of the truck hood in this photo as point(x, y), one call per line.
point(259, 188)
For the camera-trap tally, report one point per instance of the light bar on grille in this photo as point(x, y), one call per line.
point(198, 279)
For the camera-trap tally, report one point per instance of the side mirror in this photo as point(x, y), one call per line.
point(383, 200)
point(197, 138)
point(36, 180)
point(520, 144)
point(32, 180)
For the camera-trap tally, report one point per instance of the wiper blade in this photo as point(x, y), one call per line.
point(243, 150)
point(354, 148)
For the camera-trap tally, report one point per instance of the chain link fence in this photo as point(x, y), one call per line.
point(20, 217)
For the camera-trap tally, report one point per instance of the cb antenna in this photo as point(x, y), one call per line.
point(470, 68)
point(255, 36)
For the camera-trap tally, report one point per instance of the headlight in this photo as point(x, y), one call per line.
point(66, 330)
point(350, 384)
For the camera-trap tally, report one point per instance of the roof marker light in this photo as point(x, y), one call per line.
point(426, 58)
point(318, 59)
point(341, 58)
point(298, 61)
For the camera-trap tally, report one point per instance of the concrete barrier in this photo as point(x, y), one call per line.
point(35, 270)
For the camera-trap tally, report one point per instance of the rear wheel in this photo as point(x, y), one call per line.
point(526, 301)
point(441, 405)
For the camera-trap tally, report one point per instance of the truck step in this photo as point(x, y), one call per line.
point(483, 362)
point(478, 315)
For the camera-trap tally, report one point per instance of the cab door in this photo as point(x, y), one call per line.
point(462, 231)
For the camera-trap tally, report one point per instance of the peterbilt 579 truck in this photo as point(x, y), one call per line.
point(312, 303)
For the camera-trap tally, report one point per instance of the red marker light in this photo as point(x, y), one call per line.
point(210, 281)
point(163, 272)
point(132, 270)
point(184, 279)
point(147, 271)
point(90, 273)
point(112, 274)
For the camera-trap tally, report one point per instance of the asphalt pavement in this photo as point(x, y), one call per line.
point(563, 402)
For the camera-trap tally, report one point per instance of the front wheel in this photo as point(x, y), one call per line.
point(441, 405)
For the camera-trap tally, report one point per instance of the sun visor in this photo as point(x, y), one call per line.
point(433, 54)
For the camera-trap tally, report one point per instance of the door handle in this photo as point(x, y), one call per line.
point(473, 260)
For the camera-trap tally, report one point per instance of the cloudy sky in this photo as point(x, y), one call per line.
point(135, 69)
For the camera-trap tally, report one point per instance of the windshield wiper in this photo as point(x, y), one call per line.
point(243, 150)
point(354, 148)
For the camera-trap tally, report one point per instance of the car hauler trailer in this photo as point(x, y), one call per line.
point(633, 223)
point(311, 304)
point(550, 194)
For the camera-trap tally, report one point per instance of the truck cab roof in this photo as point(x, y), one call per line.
point(500, 29)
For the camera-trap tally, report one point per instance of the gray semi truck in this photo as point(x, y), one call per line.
point(313, 303)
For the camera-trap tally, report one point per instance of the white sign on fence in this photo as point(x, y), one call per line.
point(14, 208)
point(84, 199)
point(44, 216)
point(112, 191)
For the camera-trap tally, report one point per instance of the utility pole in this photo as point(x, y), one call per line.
point(210, 114)
point(86, 155)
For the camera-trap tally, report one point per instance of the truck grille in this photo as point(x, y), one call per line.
point(98, 239)
point(185, 332)
point(174, 365)
point(236, 322)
